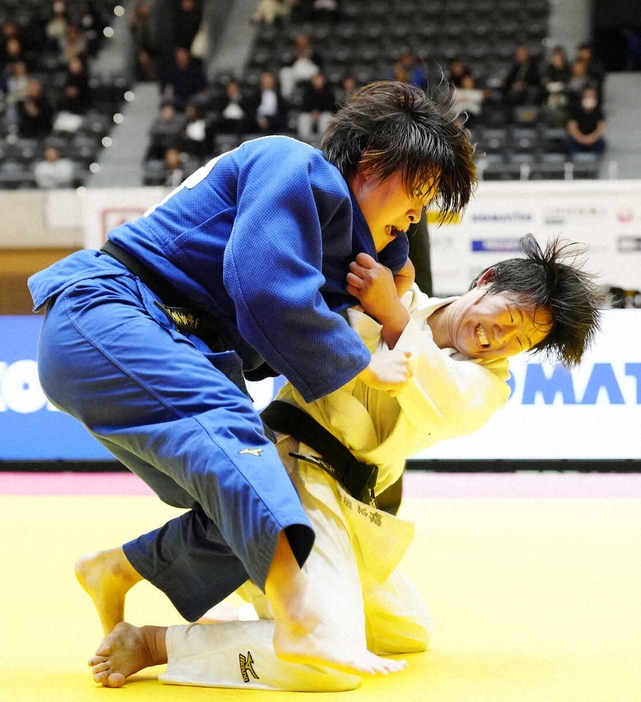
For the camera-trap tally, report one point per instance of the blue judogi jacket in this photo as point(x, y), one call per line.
point(261, 237)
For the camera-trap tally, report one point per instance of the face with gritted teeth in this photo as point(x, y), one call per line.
point(386, 206)
point(489, 325)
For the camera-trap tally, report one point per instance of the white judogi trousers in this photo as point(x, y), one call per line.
point(354, 558)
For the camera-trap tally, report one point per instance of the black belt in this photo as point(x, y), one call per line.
point(358, 478)
point(186, 316)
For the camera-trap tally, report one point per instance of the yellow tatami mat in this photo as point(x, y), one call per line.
point(534, 582)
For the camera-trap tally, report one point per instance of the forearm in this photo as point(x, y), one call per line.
point(404, 279)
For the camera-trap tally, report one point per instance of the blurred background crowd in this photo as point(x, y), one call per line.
point(535, 109)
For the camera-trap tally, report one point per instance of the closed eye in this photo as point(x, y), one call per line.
point(512, 322)
point(420, 195)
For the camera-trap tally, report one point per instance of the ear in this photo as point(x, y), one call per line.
point(356, 181)
point(361, 177)
point(486, 277)
point(363, 170)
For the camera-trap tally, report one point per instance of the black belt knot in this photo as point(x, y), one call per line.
point(183, 318)
point(181, 311)
point(358, 478)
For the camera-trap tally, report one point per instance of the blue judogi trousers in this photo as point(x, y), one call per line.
point(169, 410)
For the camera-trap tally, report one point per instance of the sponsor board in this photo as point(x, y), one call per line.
point(589, 412)
point(605, 216)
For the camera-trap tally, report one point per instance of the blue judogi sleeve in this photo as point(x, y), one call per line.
point(259, 236)
point(273, 266)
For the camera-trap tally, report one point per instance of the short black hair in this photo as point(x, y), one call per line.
point(394, 127)
point(553, 279)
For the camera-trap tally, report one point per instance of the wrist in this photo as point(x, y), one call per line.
point(394, 325)
point(393, 315)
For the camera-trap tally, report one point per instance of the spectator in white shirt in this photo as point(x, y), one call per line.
point(54, 170)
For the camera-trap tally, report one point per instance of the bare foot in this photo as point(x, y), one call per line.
point(303, 633)
point(310, 641)
point(126, 650)
point(107, 576)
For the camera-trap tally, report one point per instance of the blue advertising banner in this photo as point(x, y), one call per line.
point(591, 412)
point(31, 429)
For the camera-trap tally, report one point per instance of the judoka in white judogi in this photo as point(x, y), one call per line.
point(358, 547)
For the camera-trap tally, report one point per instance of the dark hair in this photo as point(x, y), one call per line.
point(393, 127)
point(565, 290)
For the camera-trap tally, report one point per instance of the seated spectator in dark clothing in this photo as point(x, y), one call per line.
point(457, 72)
point(522, 84)
point(306, 62)
point(555, 79)
point(189, 16)
point(184, 81)
point(267, 110)
point(594, 67)
point(586, 126)
point(165, 131)
point(35, 112)
point(317, 107)
point(144, 42)
point(14, 83)
point(56, 26)
point(92, 26)
point(233, 113)
point(15, 44)
point(73, 44)
point(8, 29)
point(77, 96)
point(14, 52)
point(349, 85)
point(469, 100)
point(178, 166)
point(579, 81)
point(197, 134)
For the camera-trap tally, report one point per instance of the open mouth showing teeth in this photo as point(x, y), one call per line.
point(480, 332)
point(393, 231)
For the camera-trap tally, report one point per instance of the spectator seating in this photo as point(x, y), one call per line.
point(519, 143)
point(84, 142)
